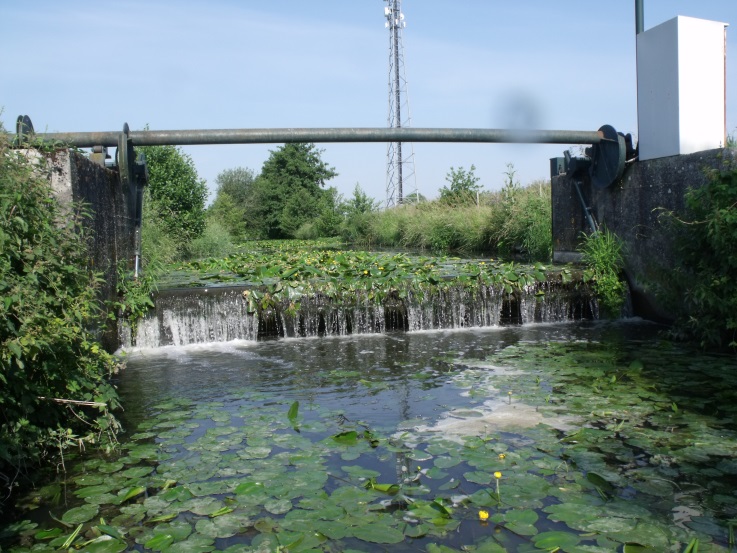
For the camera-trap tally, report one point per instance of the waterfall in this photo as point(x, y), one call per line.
point(219, 314)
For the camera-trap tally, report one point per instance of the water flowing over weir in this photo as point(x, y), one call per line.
point(223, 313)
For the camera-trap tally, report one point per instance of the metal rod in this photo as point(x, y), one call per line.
point(639, 16)
point(278, 136)
point(586, 210)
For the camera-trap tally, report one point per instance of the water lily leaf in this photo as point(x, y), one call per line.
point(521, 516)
point(378, 533)
point(178, 493)
point(446, 462)
point(202, 505)
point(293, 412)
point(435, 473)
point(349, 437)
point(551, 540)
point(80, 514)
point(221, 512)
point(572, 513)
point(164, 518)
point(90, 480)
point(333, 530)
point(109, 468)
point(105, 544)
point(609, 525)
point(193, 544)
point(225, 526)
point(372, 484)
point(249, 488)
point(110, 531)
point(255, 452)
point(48, 534)
point(599, 481)
point(200, 489)
point(478, 477)
point(278, 506)
point(130, 493)
point(137, 472)
point(159, 542)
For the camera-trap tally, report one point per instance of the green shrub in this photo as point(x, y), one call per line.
point(159, 245)
point(603, 255)
point(53, 372)
point(308, 231)
point(702, 287)
point(521, 221)
point(214, 242)
point(514, 221)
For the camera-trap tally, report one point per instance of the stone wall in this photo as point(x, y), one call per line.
point(76, 180)
point(633, 209)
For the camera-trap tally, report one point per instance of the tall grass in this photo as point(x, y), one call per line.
point(515, 221)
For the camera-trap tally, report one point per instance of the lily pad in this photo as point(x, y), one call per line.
point(378, 533)
point(105, 544)
point(551, 540)
point(80, 514)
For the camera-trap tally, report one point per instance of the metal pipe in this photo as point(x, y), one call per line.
point(278, 136)
point(639, 16)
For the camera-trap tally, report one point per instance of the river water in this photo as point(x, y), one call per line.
point(585, 436)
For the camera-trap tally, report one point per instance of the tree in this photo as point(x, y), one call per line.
point(463, 186)
point(177, 191)
point(234, 197)
point(227, 213)
point(289, 190)
point(360, 203)
point(237, 183)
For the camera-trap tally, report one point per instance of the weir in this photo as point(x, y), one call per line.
point(219, 314)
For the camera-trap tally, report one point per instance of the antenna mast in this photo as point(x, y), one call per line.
point(398, 170)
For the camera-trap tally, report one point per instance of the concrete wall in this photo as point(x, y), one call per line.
point(75, 179)
point(632, 209)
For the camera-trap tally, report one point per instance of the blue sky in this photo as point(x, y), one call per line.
point(92, 66)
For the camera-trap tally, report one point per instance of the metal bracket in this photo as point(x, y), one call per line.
point(133, 173)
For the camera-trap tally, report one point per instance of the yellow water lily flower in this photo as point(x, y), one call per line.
point(484, 515)
point(497, 475)
point(502, 456)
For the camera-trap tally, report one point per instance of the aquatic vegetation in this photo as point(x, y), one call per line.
point(280, 265)
point(603, 254)
point(611, 467)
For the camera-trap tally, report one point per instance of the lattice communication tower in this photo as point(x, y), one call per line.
point(400, 168)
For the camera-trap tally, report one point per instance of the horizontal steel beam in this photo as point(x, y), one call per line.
point(278, 136)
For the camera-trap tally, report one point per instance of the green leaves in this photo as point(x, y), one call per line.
point(49, 313)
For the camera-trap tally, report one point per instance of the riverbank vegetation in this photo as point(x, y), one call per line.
point(701, 289)
point(514, 221)
point(55, 393)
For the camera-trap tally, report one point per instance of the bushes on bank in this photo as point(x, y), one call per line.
point(702, 289)
point(514, 221)
point(54, 388)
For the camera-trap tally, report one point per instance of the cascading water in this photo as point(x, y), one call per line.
point(219, 314)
